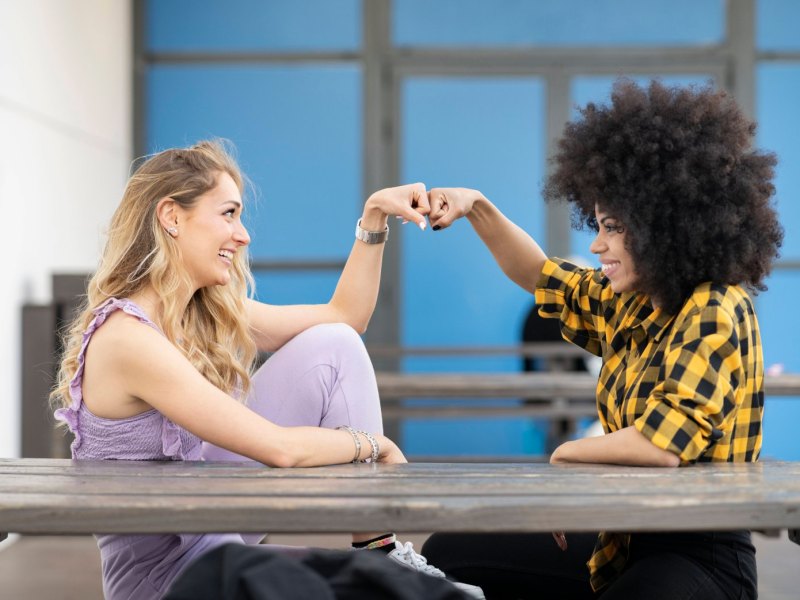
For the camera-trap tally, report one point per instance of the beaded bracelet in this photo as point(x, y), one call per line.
point(376, 449)
point(356, 441)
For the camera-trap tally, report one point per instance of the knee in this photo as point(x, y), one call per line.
point(332, 335)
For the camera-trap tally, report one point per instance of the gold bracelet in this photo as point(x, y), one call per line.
point(356, 441)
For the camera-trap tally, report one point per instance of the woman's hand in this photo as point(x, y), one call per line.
point(389, 453)
point(450, 204)
point(408, 202)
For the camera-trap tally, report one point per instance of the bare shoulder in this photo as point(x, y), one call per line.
point(113, 356)
point(122, 334)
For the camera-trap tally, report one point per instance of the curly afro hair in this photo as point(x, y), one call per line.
point(675, 166)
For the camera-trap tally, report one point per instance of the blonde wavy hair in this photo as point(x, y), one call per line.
point(212, 331)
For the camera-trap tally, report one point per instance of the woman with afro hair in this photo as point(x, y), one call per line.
point(681, 204)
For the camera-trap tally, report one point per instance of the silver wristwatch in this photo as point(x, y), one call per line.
point(371, 237)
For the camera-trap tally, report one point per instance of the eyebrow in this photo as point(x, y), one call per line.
point(606, 218)
point(236, 203)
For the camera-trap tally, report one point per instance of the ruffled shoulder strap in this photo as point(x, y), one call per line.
point(101, 313)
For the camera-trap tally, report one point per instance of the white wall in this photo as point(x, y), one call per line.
point(65, 149)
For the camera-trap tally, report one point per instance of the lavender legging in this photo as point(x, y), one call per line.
point(323, 377)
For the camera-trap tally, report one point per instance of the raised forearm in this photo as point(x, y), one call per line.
point(357, 290)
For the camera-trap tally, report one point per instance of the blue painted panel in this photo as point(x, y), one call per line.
point(779, 337)
point(300, 287)
point(557, 22)
point(778, 96)
point(253, 25)
point(486, 134)
point(597, 89)
point(777, 24)
point(298, 133)
point(484, 436)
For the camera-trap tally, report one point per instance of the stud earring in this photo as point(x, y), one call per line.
point(173, 231)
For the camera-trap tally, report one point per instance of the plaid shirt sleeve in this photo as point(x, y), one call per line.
point(695, 401)
point(574, 295)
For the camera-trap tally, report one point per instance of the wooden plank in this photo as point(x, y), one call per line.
point(523, 385)
point(31, 513)
point(487, 385)
point(655, 485)
point(47, 496)
point(527, 350)
point(549, 411)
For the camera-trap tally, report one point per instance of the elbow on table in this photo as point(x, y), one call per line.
point(282, 460)
point(668, 460)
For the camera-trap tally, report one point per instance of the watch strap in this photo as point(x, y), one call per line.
point(371, 237)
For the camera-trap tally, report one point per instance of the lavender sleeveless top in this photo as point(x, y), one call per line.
point(135, 567)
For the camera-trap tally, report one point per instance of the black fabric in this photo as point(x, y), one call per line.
point(239, 572)
point(662, 566)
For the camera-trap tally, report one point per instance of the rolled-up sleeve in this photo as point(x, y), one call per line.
point(574, 296)
point(694, 404)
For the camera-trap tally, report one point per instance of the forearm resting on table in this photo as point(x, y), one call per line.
point(624, 447)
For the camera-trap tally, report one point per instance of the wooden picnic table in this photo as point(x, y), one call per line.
point(60, 496)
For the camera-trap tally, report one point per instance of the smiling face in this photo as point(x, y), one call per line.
point(211, 232)
point(615, 260)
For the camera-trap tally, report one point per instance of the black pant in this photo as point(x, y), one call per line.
point(662, 566)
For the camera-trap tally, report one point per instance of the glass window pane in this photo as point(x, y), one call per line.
point(486, 134)
point(585, 89)
point(557, 22)
point(298, 134)
point(778, 96)
point(780, 353)
point(777, 24)
point(241, 25)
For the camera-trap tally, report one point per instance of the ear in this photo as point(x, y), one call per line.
point(167, 212)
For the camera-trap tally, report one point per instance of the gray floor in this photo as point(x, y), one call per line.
point(68, 568)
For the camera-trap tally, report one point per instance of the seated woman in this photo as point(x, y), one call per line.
point(681, 205)
point(157, 366)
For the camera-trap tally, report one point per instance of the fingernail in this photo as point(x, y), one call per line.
point(437, 227)
point(422, 225)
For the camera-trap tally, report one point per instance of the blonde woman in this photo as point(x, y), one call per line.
point(157, 365)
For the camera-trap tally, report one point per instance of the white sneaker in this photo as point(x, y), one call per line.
point(404, 555)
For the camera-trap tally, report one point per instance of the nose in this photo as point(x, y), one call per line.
point(240, 235)
point(598, 245)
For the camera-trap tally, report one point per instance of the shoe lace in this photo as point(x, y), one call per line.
point(407, 554)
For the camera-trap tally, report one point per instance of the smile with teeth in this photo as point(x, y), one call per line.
point(226, 254)
point(609, 267)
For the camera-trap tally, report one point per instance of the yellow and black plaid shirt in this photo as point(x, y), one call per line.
point(691, 383)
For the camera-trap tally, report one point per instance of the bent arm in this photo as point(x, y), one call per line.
point(624, 447)
point(163, 378)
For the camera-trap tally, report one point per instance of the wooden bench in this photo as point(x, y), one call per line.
point(57, 496)
point(560, 394)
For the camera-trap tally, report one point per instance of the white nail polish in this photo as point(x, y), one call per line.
point(421, 225)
